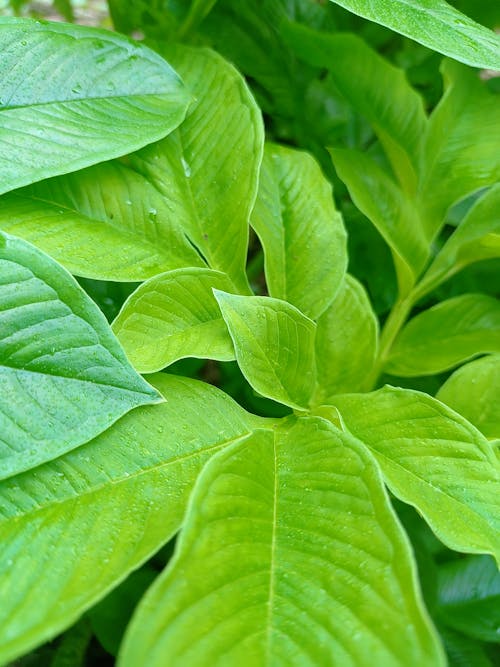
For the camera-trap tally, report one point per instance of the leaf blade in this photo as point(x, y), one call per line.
point(102, 96)
point(64, 376)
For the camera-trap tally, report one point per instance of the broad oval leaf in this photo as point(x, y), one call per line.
point(460, 153)
point(63, 374)
point(469, 597)
point(390, 210)
point(364, 79)
point(172, 316)
point(106, 222)
point(474, 392)
point(302, 234)
point(98, 512)
point(72, 96)
point(433, 459)
point(445, 335)
point(290, 555)
point(476, 238)
point(208, 169)
point(436, 24)
point(346, 342)
point(274, 346)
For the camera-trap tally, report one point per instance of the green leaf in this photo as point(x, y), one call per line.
point(379, 197)
point(65, 378)
point(461, 145)
point(474, 391)
point(476, 238)
point(106, 222)
point(346, 342)
point(463, 651)
point(274, 346)
point(172, 316)
point(433, 459)
point(433, 23)
point(364, 79)
point(290, 554)
point(445, 335)
point(98, 512)
point(302, 234)
point(208, 169)
point(72, 96)
point(469, 597)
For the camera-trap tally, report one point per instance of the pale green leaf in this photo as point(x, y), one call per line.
point(64, 377)
point(445, 335)
point(434, 459)
point(106, 222)
point(302, 233)
point(364, 79)
point(476, 238)
point(380, 198)
point(436, 24)
point(274, 346)
point(208, 169)
point(72, 96)
point(290, 555)
point(172, 316)
point(469, 597)
point(98, 512)
point(474, 391)
point(346, 342)
point(461, 145)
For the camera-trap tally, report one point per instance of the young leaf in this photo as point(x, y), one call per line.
point(172, 316)
point(72, 96)
point(65, 378)
point(474, 391)
point(363, 77)
point(461, 145)
point(476, 238)
point(290, 554)
point(106, 222)
point(101, 510)
point(302, 234)
point(469, 597)
point(445, 335)
point(274, 346)
point(395, 216)
point(434, 460)
point(346, 342)
point(433, 23)
point(208, 169)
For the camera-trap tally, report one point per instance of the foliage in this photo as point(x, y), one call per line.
point(142, 177)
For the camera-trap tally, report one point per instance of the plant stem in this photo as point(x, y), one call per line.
point(390, 330)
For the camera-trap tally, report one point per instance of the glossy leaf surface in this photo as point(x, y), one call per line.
point(302, 234)
point(349, 324)
point(172, 316)
point(445, 335)
point(98, 512)
point(363, 77)
point(436, 24)
point(274, 346)
point(72, 96)
point(460, 147)
point(469, 597)
point(106, 222)
point(65, 378)
point(208, 169)
point(384, 203)
point(296, 520)
point(434, 460)
point(474, 391)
